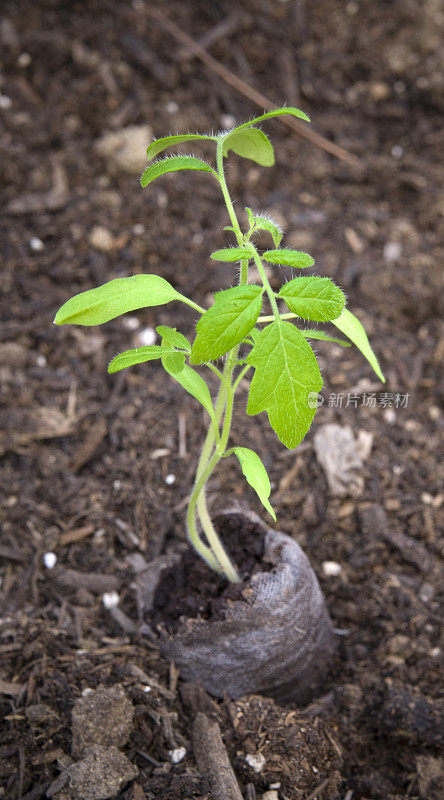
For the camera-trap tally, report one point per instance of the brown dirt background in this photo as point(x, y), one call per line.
point(80, 449)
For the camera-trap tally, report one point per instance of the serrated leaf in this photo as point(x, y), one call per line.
point(317, 299)
point(277, 112)
point(226, 323)
point(116, 297)
point(173, 337)
point(231, 254)
point(265, 224)
point(172, 164)
point(314, 334)
point(193, 383)
point(256, 475)
point(250, 143)
point(351, 327)
point(137, 356)
point(286, 372)
point(289, 258)
point(159, 145)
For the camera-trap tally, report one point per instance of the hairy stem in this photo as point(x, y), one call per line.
point(213, 450)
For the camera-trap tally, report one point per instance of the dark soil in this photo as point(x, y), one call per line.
point(190, 590)
point(85, 455)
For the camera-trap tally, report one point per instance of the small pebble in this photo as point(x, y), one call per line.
point(177, 755)
point(147, 336)
point(110, 599)
point(389, 415)
point(41, 360)
point(228, 121)
point(24, 60)
point(170, 479)
point(147, 689)
point(86, 691)
point(117, 485)
point(101, 238)
point(36, 244)
point(397, 151)
point(256, 762)
point(130, 323)
point(5, 102)
point(171, 107)
point(331, 568)
point(50, 560)
point(434, 413)
point(138, 229)
point(392, 251)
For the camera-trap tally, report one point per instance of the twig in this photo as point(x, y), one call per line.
point(318, 789)
point(212, 759)
point(210, 37)
point(182, 430)
point(248, 91)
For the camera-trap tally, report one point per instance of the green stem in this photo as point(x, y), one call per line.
point(266, 282)
point(281, 316)
point(212, 450)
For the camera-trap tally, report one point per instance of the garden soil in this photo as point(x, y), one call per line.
point(96, 468)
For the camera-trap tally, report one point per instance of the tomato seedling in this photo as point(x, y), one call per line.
point(272, 347)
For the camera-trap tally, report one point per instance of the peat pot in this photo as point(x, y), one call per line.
point(271, 634)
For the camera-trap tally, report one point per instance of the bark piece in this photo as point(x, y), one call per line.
point(374, 521)
point(212, 759)
point(338, 456)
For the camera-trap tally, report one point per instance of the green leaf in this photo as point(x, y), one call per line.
point(231, 254)
point(351, 327)
point(286, 372)
point(250, 143)
point(193, 383)
point(172, 164)
point(316, 299)
point(173, 337)
point(289, 258)
point(114, 298)
point(314, 334)
point(278, 112)
point(159, 145)
point(175, 362)
point(226, 323)
point(137, 356)
point(265, 224)
point(256, 476)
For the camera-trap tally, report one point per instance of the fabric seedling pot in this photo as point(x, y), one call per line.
point(277, 639)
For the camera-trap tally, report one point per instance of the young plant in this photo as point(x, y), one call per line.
point(272, 346)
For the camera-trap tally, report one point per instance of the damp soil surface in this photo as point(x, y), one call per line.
point(189, 590)
point(96, 469)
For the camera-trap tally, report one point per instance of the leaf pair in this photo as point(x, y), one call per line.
point(245, 140)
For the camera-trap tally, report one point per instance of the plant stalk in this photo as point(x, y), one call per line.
point(213, 451)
